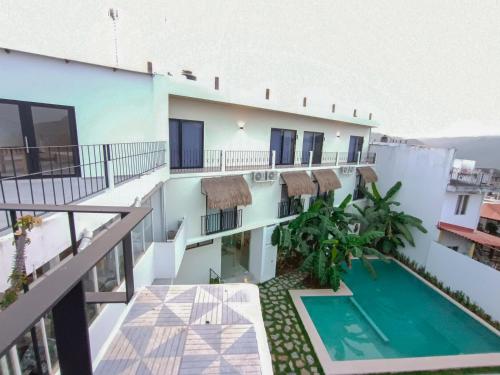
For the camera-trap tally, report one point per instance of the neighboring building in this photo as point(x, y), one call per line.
point(218, 175)
point(447, 194)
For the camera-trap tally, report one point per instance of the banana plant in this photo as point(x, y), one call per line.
point(379, 215)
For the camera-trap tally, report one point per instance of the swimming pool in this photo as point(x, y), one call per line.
point(395, 316)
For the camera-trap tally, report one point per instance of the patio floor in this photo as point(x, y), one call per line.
point(188, 329)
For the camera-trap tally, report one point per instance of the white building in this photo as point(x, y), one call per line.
point(218, 174)
point(447, 195)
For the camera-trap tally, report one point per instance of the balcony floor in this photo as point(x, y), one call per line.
point(189, 329)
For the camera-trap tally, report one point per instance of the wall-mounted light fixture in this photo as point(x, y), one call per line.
point(241, 125)
point(338, 134)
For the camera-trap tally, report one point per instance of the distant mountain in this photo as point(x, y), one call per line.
point(485, 150)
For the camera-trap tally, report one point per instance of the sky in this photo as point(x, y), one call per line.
point(423, 68)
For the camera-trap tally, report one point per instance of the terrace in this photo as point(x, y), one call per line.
point(472, 180)
point(164, 329)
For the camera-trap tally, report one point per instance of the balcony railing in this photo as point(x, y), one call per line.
point(476, 178)
point(221, 222)
point(235, 160)
point(65, 174)
point(290, 207)
point(61, 294)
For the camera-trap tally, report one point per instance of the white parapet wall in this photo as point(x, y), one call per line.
point(169, 255)
point(463, 273)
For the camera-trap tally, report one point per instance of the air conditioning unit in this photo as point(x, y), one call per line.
point(259, 176)
point(354, 228)
point(347, 170)
point(272, 176)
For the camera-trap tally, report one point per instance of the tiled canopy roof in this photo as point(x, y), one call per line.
point(491, 211)
point(471, 234)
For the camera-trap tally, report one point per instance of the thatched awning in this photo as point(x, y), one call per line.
point(327, 180)
point(226, 192)
point(298, 183)
point(368, 174)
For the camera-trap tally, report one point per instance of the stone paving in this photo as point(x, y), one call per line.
point(291, 350)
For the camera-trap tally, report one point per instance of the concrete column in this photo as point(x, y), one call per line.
point(472, 248)
point(273, 159)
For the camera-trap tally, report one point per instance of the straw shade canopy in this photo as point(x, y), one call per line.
point(368, 174)
point(226, 192)
point(327, 180)
point(298, 183)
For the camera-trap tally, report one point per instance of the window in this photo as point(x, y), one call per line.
point(462, 202)
point(283, 142)
point(358, 188)
point(355, 146)
point(454, 248)
point(25, 124)
point(186, 144)
point(312, 142)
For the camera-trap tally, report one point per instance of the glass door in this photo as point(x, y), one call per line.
point(312, 142)
point(40, 137)
point(283, 143)
point(186, 144)
point(355, 146)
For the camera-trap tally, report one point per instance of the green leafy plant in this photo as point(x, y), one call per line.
point(321, 238)
point(379, 215)
point(18, 279)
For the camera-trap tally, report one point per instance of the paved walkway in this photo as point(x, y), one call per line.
point(206, 329)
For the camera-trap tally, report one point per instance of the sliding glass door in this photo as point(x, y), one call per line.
point(186, 144)
point(37, 137)
point(312, 142)
point(355, 147)
point(283, 142)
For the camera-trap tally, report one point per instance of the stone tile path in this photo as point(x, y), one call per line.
point(291, 351)
point(186, 330)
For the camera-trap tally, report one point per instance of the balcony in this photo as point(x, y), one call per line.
point(61, 302)
point(474, 180)
point(221, 222)
point(66, 174)
point(207, 161)
point(290, 207)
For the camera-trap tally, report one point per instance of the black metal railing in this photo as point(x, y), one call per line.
point(57, 175)
point(241, 160)
point(190, 161)
point(221, 221)
point(367, 158)
point(214, 277)
point(290, 207)
point(61, 293)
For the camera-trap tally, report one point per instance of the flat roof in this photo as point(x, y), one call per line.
point(491, 211)
point(184, 88)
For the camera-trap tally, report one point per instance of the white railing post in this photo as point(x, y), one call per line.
point(273, 159)
point(359, 157)
point(310, 159)
point(337, 159)
point(223, 161)
point(14, 360)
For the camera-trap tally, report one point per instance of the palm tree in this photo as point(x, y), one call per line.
point(380, 216)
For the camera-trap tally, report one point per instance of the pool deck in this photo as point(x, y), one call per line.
point(371, 366)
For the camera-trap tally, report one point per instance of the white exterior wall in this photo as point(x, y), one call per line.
point(471, 217)
point(424, 173)
point(449, 239)
point(459, 272)
point(222, 131)
point(197, 262)
point(110, 107)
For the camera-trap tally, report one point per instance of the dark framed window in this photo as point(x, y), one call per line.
point(283, 142)
point(462, 203)
point(358, 187)
point(186, 138)
point(355, 147)
point(313, 141)
point(41, 136)
point(199, 244)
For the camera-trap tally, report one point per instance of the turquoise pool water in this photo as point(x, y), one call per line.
point(394, 316)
